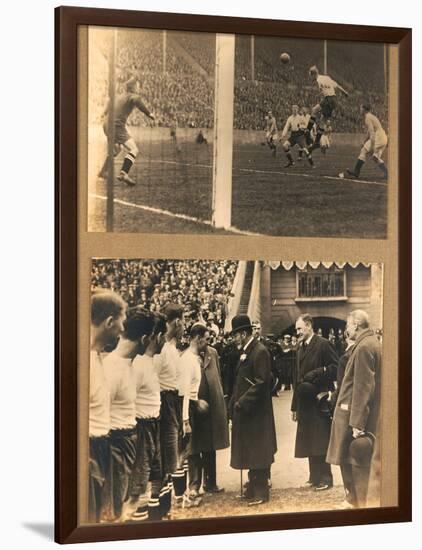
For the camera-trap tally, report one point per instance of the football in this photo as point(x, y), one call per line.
point(285, 58)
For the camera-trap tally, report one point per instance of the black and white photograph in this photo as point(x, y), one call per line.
point(229, 388)
point(207, 130)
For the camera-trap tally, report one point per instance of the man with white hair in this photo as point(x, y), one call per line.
point(354, 426)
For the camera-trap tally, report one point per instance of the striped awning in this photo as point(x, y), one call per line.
point(288, 265)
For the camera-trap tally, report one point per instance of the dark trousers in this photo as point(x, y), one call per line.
point(319, 470)
point(170, 426)
point(99, 477)
point(147, 466)
point(202, 468)
point(258, 484)
point(123, 453)
point(355, 481)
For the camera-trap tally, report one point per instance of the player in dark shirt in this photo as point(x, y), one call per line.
point(124, 104)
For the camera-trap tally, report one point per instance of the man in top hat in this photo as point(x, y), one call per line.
point(356, 414)
point(316, 371)
point(253, 429)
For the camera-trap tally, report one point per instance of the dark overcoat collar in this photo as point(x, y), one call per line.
point(250, 347)
point(207, 358)
point(304, 350)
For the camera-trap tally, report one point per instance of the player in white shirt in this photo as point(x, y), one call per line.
point(171, 396)
point(191, 376)
point(375, 144)
point(325, 142)
point(120, 375)
point(294, 134)
point(108, 312)
point(309, 136)
point(323, 110)
point(148, 465)
point(271, 132)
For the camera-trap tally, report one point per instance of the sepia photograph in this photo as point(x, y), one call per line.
point(231, 388)
point(233, 259)
point(195, 132)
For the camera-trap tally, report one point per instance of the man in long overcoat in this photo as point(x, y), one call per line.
point(253, 429)
point(355, 419)
point(316, 371)
point(211, 428)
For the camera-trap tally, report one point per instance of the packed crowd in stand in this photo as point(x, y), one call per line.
point(253, 100)
point(202, 287)
point(182, 95)
point(201, 46)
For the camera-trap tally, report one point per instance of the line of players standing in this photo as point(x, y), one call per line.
point(156, 416)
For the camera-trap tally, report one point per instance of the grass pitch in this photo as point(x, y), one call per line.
point(173, 194)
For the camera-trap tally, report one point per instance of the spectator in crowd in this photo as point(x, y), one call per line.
point(287, 361)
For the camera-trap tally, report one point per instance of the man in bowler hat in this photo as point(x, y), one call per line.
point(253, 429)
point(357, 409)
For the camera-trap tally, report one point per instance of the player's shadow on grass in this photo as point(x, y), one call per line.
point(46, 530)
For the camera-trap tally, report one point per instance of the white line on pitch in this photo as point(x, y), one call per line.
point(181, 163)
point(310, 176)
point(255, 171)
point(184, 217)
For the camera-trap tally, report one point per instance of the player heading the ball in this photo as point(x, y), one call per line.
point(294, 134)
point(323, 110)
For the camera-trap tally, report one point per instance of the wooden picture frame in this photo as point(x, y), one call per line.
point(67, 21)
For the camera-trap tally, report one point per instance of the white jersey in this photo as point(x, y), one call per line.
point(294, 123)
point(191, 376)
point(376, 132)
point(99, 398)
point(120, 377)
point(327, 86)
point(147, 386)
point(271, 125)
point(169, 367)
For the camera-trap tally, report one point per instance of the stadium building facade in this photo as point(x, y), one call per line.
point(275, 293)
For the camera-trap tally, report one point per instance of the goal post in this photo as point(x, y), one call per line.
point(110, 131)
point(223, 131)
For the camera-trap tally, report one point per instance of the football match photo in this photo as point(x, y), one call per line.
point(192, 132)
